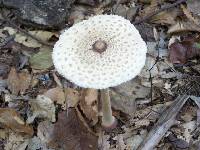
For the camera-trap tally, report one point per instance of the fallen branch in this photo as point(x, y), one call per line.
point(158, 11)
point(165, 122)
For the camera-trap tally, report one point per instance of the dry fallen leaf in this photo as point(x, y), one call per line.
point(16, 142)
point(189, 15)
point(103, 142)
point(44, 131)
point(189, 127)
point(180, 52)
point(88, 104)
point(183, 26)
point(120, 142)
point(75, 135)
point(193, 6)
point(42, 60)
point(18, 82)
point(12, 120)
point(72, 97)
point(42, 107)
point(36, 144)
point(28, 41)
point(150, 8)
point(58, 95)
point(178, 143)
point(123, 96)
point(165, 17)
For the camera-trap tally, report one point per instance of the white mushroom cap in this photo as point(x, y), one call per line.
point(74, 56)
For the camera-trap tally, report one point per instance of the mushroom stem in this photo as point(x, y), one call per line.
point(108, 120)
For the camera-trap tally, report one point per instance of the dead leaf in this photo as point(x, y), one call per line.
point(12, 120)
point(141, 123)
point(183, 26)
point(18, 82)
point(180, 52)
point(196, 68)
point(58, 95)
point(42, 60)
point(41, 107)
point(150, 8)
point(75, 135)
point(56, 79)
point(72, 97)
point(123, 96)
point(165, 17)
point(28, 41)
point(189, 15)
point(44, 131)
point(120, 142)
point(4, 69)
point(36, 144)
point(189, 127)
point(178, 143)
point(193, 6)
point(103, 142)
point(16, 142)
point(133, 142)
point(88, 104)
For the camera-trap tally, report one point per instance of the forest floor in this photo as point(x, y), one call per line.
point(41, 110)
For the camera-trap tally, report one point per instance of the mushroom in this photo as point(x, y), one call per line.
point(101, 52)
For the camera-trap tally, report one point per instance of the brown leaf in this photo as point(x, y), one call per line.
point(180, 52)
point(189, 15)
point(183, 26)
point(88, 104)
point(18, 82)
point(165, 17)
point(72, 97)
point(60, 96)
point(56, 94)
point(150, 8)
point(70, 133)
point(12, 120)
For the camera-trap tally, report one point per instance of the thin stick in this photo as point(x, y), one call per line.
point(158, 11)
point(166, 120)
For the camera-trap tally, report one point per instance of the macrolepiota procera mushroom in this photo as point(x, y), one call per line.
point(101, 52)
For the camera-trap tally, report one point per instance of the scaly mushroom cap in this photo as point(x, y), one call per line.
point(101, 52)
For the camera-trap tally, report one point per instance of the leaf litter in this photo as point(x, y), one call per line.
point(149, 109)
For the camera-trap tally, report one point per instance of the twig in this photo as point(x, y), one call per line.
point(158, 11)
point(24, 32)
point(166, 120)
